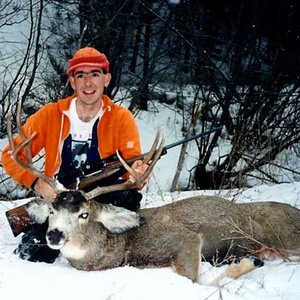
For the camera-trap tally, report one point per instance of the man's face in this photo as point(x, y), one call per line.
point(89, 83)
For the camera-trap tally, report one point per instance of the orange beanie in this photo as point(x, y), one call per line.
point(88, 57)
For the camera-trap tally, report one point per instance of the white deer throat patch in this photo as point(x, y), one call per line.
point(73, 252)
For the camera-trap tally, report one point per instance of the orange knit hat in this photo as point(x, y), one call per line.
point(88, 57)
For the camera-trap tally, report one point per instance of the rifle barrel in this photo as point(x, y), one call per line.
point(194, 137)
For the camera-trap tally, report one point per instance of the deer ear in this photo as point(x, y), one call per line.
point(117, 219)
point(38, 210)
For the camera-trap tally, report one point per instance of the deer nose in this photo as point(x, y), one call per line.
point(54, 236)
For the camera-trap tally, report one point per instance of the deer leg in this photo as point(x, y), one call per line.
point(236, 270)
point(187, 261)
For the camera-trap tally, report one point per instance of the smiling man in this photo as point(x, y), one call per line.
point(77, 133)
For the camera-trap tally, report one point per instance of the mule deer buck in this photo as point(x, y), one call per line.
point(95, 236)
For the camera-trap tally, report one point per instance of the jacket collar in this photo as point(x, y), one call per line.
point(64, 104)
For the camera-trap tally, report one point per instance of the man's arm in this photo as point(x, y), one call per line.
point(19, 174)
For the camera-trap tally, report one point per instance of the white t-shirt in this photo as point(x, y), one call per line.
point(81, 133)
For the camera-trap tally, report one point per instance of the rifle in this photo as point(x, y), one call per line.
point(19, 219)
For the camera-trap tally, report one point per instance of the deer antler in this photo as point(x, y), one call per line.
point(24, 144)
point(151, 159)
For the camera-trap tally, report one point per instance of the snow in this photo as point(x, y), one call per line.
point(277, 279)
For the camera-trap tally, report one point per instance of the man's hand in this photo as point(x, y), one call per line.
point(140, 168)
point(45, 190)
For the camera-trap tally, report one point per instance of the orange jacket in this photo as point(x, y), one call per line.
point(117, 130)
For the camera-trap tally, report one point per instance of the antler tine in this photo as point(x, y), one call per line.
point(21, 132)
point(129, 184)
point(149, 155)
point(9, 128)
point(156, 153)
point(24, 144)
point(154, 160)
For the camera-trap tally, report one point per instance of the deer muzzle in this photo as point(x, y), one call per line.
point(55, 239)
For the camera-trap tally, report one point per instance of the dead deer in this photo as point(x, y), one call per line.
point(95, 236)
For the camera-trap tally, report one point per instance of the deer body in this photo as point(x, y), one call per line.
point(208, 220)
point(171, 235)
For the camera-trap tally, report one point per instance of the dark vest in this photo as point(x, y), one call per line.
point(69, 169)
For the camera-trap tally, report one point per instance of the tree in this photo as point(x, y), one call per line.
point(20, 64)
point(256, 100)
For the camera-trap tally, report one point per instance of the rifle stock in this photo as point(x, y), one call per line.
point(97, 176)
point(19, 219)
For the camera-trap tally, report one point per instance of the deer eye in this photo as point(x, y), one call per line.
point(84, 216)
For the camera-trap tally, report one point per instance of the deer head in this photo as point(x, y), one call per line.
point(72, 213)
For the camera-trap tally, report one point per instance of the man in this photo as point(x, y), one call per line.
point(77, 134)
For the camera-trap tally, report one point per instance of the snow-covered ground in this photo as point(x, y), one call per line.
point(277, 279)
point(20, 279)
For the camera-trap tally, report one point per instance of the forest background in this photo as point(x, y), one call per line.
point(230, 63)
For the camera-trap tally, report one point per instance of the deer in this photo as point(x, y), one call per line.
point(94, 236)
